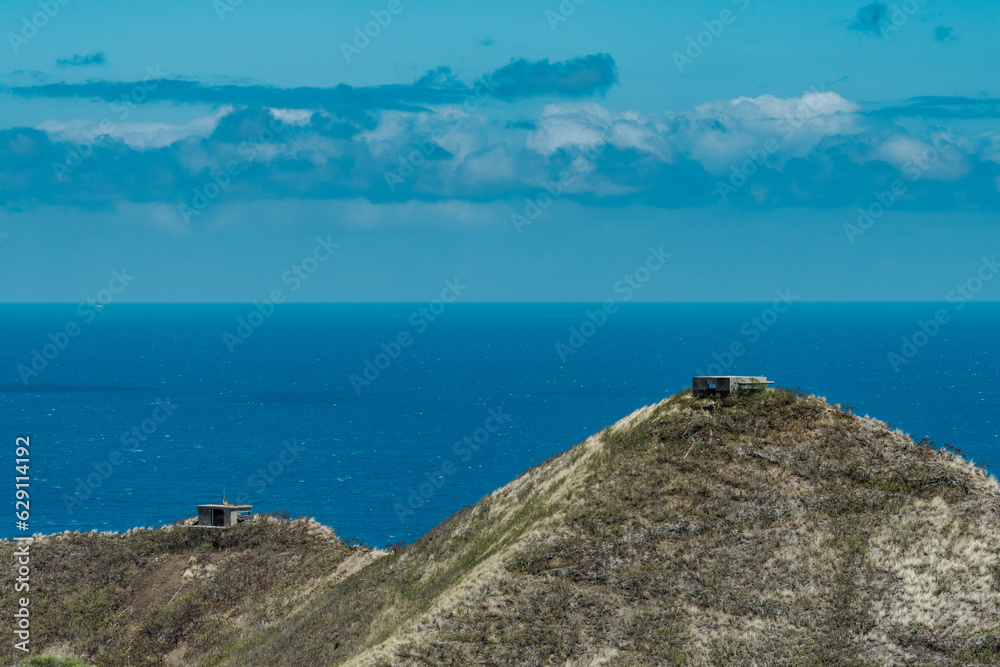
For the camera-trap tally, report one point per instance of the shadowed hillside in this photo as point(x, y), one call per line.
point(767, 528)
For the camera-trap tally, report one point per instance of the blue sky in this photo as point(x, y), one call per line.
point(534, 150)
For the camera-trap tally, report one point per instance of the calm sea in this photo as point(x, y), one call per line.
point(149, 410)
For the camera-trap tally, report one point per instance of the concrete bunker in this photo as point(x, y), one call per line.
point(222, 515)
point(707, 385)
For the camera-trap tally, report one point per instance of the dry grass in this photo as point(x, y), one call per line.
point(134, 598)
point(766, 529)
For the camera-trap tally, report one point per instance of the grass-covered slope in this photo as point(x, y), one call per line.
point(182, 593)
point(763, 529)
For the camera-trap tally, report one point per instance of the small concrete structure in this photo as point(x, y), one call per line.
point(222, 515)
point(705, 385)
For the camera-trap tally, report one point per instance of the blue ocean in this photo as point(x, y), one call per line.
point(382, 420)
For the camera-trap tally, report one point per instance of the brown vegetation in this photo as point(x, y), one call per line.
point(768, 528)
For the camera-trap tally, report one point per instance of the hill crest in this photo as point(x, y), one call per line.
point(768, 526)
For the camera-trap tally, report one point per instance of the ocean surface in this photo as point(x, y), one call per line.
point(149, 410)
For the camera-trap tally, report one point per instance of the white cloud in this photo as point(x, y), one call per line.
point(292, 116)
point(668, 157)
point(716, 134)
point(588, 124)
point(810, 106)
point(562, 126)
point(136, 135)
point(721, 133)
point(936, 160)
point(493, 165)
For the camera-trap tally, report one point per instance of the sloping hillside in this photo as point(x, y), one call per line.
point(765, 529)
point(146, 596)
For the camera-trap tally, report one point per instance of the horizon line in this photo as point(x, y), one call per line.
point(481, 303)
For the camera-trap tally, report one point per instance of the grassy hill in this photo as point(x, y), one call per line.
point(769, 528)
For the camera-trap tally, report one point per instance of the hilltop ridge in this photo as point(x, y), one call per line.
point(766, 527)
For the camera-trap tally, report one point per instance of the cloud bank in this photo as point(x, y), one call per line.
point(580, 77)
point(433, 141)
point(82, 60)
